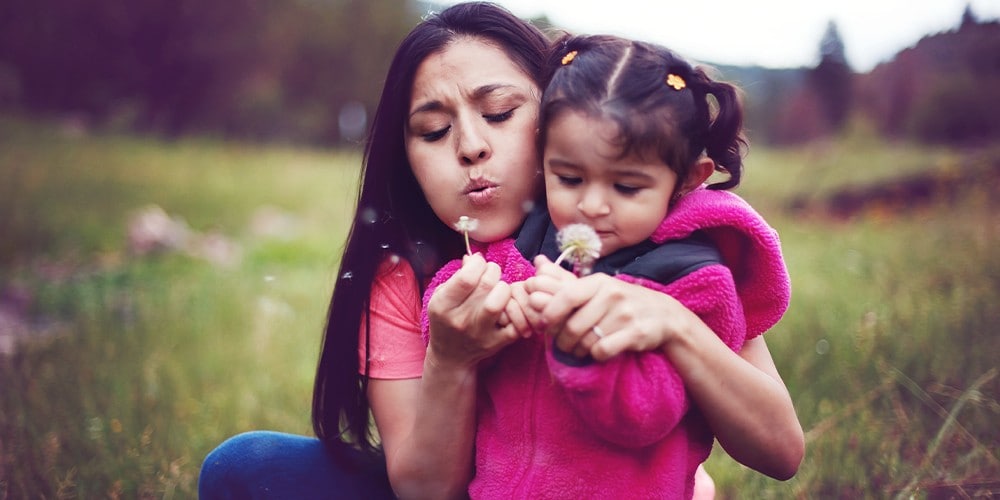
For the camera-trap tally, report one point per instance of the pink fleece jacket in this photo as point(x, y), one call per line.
point(623, 428)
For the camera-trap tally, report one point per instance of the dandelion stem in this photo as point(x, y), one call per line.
point(563, 255)
point(468, 247)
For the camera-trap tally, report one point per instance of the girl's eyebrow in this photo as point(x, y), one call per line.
point(559, 162)
point(477, 94)
point(634, 174)
point(628, 172)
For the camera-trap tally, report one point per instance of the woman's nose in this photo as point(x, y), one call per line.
point(473, 147)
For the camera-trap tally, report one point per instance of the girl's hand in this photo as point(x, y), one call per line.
point(464, 313)
point(628, 317)
point(519, 313)
point(549, 279)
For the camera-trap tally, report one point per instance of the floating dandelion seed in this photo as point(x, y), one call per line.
point(369, 215)
point(581, 245)
point(465, 225)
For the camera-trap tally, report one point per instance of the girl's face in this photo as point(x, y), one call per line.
point(586, 181)
point(471, 137)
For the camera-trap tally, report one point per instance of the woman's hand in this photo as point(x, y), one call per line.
point(465, 313)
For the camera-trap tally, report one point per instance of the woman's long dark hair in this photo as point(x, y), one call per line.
point(393, 216)
point(630, 83)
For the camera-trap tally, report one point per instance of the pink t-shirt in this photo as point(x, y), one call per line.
point(397, 350)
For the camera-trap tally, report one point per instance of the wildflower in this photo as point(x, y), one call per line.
point(581, 245)
point(465, 225)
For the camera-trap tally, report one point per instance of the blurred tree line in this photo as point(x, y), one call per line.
point(944, 89)
point(311, 70)
point(300, 70)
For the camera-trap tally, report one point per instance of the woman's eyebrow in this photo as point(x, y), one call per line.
point(427, 106)
point(478, 94)
point(486, 90)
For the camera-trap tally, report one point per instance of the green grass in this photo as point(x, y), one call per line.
point(139, 365)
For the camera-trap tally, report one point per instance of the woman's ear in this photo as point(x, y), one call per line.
point(699, 173)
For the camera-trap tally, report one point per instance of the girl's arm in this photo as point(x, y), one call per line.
point(427, 425)
point(741, 394)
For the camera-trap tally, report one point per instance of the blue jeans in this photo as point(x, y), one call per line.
point(266, 465)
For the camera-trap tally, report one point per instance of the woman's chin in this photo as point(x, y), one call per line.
point(490, 233)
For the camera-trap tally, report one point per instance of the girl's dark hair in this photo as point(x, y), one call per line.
point(393, 216)
point(626, 81)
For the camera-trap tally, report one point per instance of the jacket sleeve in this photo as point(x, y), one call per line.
point(632, 400)
point(636, 399)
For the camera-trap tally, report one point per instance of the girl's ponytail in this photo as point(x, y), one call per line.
point(724, 141)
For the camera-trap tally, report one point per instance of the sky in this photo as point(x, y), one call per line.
point(771, 33)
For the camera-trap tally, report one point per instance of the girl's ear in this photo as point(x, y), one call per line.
point(699, 173)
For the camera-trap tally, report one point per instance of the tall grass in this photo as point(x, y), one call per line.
point(889, 346)
point(137, 365)
point(144, 363)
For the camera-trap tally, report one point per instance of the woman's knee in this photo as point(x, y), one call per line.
point(231, 469)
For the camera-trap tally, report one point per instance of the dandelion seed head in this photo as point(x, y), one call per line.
point(466, 224)
point(581, 246)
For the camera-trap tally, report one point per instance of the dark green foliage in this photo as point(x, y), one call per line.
point(958, 109)
point(831, 79)
point(943, 90)
point(246, 68)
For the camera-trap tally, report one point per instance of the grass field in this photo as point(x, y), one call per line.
point(120, 370)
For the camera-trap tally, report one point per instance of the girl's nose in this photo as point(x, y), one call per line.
point(593, 203)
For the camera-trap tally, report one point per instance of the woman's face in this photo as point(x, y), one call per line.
point(471, 137)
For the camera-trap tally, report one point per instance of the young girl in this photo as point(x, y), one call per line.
point(629, 138)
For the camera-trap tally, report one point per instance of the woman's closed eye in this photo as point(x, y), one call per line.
point(436, 134)
point(499, 117)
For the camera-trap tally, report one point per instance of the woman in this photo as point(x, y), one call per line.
point(460, 102)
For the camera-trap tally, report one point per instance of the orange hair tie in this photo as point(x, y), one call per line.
point(568, 58)
point(675, 81)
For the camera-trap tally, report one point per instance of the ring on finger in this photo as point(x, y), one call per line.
point(597, 331)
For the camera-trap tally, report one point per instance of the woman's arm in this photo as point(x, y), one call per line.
point(427, 425)
point(744, 400)
point(741, 395)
